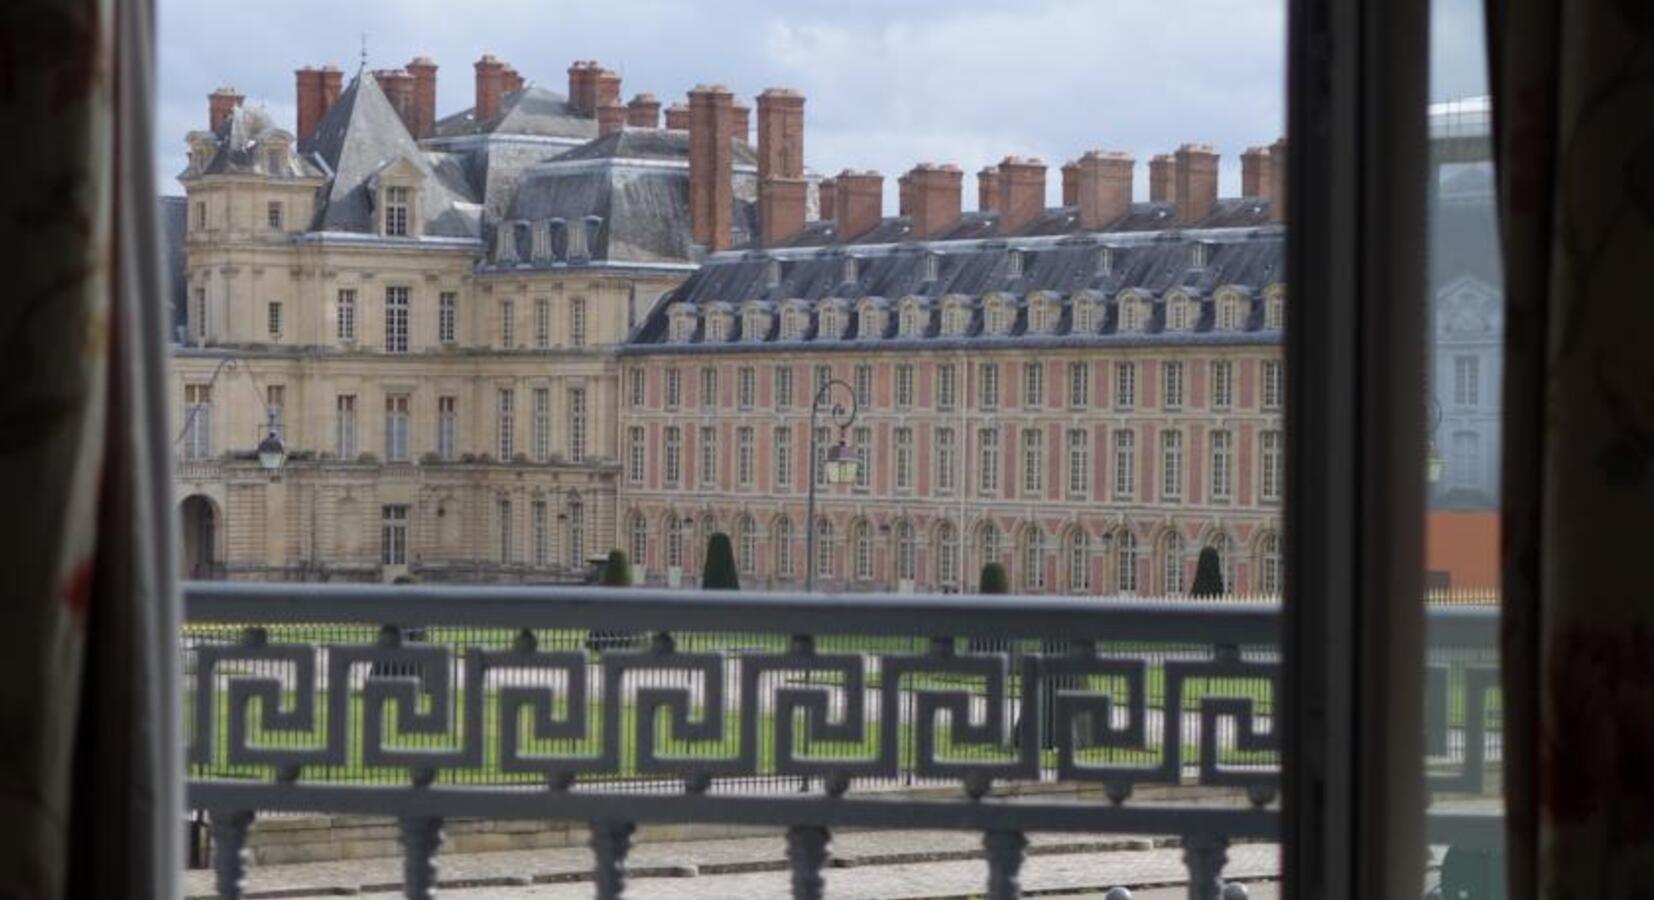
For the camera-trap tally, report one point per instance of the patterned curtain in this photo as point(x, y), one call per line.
point(1574, 125)
point(87, 692)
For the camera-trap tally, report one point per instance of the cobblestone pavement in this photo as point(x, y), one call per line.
point(871, 865)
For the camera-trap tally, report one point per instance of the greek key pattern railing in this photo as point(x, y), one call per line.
point(621, 707)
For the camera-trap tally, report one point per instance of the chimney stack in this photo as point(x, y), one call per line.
point(423, 70)
point(611, 117)
point(711, 161)
point(904, 195)
point(1255, 172)
point(399, 90)
point(677, 117)
point(1162, 182)
point(936, 197)
point(605, 86)
point(741, 129)
point(827, 199)
point(987, 189)
point(1021, 193)
point(860, 203)
point(582, 88)
point(512, 82)
point(643, 112)
point(1103, 187)
point(1197, 183)
point(781, 187)
point(490, 88)
point(1277, 181)
point(1071, 183)
point(221, 104)
point(308, 92)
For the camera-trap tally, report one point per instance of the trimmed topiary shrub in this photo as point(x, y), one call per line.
point(719, 572)
point(1208, 574)
point(994, 579)
point(617, 572)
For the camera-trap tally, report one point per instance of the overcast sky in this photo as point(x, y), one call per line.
point(888, 82)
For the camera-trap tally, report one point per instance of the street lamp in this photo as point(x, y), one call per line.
point(840, 467)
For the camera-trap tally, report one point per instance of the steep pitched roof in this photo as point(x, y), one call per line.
point(532, 111)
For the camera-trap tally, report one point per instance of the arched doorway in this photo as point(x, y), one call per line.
point(200, 521)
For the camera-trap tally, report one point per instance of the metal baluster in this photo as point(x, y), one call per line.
point(610, 843)
point(1005, 849)
point(807, 851)
point(421, 838)
point(229, 851)
point(1205, 855)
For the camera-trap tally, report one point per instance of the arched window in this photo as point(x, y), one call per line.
point(872, 322)
point(746, 545)
point(824, 549)
point(1177, 314)
point(912, 317)
point(947, 554)
point(988, 543)
point(1229, 313)
point(1174, 553)
point(907, 552)
point(828, 326)
point(784, 547)
point(1033, 559)
point(1226, 559)
point(1275, 313)
point(674, 528)
point(717, 327)
point(998, 317)
point(1131, 314)
point(1125, 562)
point(861, 536)
point(1079, 561)
point(1269, 564)
point(1084, 312)
point(755, 325)
point(639, 531)
point(576, 530)
point(683, 324)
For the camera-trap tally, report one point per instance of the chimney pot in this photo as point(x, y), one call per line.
point(643, 111)
point(1196, 188)
point(1021, 193)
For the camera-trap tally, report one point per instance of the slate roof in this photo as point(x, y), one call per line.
point(530, 111)
point(242, 144)
point(174, 223)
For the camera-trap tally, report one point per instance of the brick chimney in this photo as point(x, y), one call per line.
point(1021, 193)
point(605, 86)
point(423, 70)
point(1103, 187)
point(1197, 182)
point(860, 203)
point(1162, 184)
point(611, 117)
point(399, 90)
point(308, 93)
point(221, 104)
point(904, 195)
point(1071, 183)
point(936, 197)
point(1255, 172)
point(1277, 181)
point(677, 117)
point(333, 84)
point(512, 82)
point(827, 199)
point(490, 87)
point(781, 186)
point(987, 189)
point(583, 88)
point(741, 129)
point(643, 112)
point(711, 161)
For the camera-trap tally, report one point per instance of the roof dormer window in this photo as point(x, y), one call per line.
point(1084, 313)
point(872, 322)
point(997, 317)
point(1200, 253)
point(683, 325)
point(399, 210)
point(792, 324)
point(1042, 314)
point(956, 318)
point(1105, 261)
point(590, 235)
point(1013, 264)
point(1177, 313)
point(557, 239)
point(1275, 311)
point(849, 273)
point(772, 274)
point(931, 266)
point(1230, 312)
point(275, 161)
point(755, 324)
point(717, 327)
point(1131, 314)
point(829, 325)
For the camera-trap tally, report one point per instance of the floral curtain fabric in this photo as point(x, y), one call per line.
point(1574, 91)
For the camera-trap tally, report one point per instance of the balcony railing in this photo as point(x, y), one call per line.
point(805, 713)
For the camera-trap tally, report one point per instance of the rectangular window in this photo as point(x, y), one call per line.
point(447, 304)
point(904, 385)
point(783, 387)
point(819, 442)
point(1033, 462)
point(1171, 388)
point(538, 533)
point(1079, 385)
point(197, 421)
point(635, 388)
point(1223, 465)
point(709, 456)
point(864, 386)
point(1125, 464)
point(1272, 459)
point(396, 427)
point(542, 425)
point(447, 426)
point(273, 214)
point(674, 387)
point(1223, 384)
point(743, 456)
point(200, 215)
point(1079, 463)
point(947, 386)
point(199, 319)
point(635, 450)
point(542, 323)
point(347, 314)
point(1272, 385)
point(672, 456)
point(903, 439)
point(577, 425)
point(709, 388)
point(746, 381)
point(1171, 466)
point(273, 317)
point(577, 533)
point(1467, 377)
point(508, 324)
point(1033, 385)
point(945, 453)
point(502, 513)
point(505, 424)
point(783, 458)
point(344, 427)
point(396, 320)
point(577, 322)
point(864, 457)
point(396, 211)
point(987, 464)
point(988, 390)
point(1125, 385)
point(824, 374)
point(393, 535)
point(275, 405)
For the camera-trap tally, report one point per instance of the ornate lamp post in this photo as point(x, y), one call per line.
point(840, 466)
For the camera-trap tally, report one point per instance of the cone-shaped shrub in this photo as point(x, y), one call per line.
point(1208, 574)
point(719, 572)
